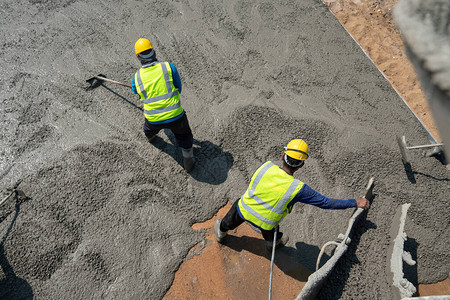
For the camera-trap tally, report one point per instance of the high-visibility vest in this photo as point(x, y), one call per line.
point(266, 201)
point(161, 98)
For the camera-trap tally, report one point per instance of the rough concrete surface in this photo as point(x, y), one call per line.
point(109, 215)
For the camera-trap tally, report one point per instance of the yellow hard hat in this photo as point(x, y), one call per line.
point(297, 149)
point(141, 45)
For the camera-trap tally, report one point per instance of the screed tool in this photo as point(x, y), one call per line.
point(403, 147)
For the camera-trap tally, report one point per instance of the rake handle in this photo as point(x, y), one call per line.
point(113, 81)
point(6, 198)
point(425, 146)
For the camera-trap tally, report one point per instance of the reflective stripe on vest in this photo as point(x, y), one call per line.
point(170, 93)
point(162, 109)
point(161, 106)
point(260, 212)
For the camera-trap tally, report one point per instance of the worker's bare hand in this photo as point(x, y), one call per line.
point(362, 203)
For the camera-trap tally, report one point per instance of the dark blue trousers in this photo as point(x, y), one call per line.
point(233, 219)
point(180, 129)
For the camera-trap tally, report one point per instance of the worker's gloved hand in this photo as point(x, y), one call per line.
point(362, 203)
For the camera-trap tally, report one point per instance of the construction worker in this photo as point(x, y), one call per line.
point(159, 87)
point(272, 193)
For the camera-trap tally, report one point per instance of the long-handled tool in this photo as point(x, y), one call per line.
point(13, 191)
point(272, 260)
point(403, 147)
point(98, 80)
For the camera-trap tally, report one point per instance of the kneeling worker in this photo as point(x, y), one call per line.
point(159, 86)
point(272, 193)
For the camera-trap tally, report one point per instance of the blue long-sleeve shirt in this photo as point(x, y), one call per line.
point(175, 76)
point(309, 196)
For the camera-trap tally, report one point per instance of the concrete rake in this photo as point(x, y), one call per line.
point(13, 191)
point(404, 147)
point(99, 79)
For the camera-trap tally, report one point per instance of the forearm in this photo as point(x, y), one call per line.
point(328, 203)
point(309, 196)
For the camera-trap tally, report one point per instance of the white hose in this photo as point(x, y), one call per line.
point(323, 250)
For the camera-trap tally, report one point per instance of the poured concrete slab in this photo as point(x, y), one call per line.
point(110, 215)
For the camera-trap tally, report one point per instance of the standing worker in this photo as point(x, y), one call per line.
point(159, 86)
point(272, 193)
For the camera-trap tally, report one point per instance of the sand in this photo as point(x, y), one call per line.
point(109, 215)
point(372, 25)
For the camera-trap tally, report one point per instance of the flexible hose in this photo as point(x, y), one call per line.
point(345, 238)
point(323, 250)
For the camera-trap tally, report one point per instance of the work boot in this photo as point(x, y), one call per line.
point(280, 243)
point(219, 234)
point(188, 159)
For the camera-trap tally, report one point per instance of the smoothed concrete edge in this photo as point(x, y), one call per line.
point(401, 287)
point(316, 279)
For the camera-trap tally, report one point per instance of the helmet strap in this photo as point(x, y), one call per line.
point(148, 55)
point(301, 162)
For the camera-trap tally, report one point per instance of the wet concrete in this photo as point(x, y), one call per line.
point(110, 215)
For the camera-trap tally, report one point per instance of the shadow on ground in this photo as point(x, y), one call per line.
point(334, 284)
point(411, 246)
point(410, 174)
point(11, 286)
point(122, 97)
point(211, 162)
point(286, 258)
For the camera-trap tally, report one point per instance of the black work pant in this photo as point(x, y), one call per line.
point(233, 219)
point(180, 129)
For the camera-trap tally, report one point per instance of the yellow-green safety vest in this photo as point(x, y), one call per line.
point(161, 98)
point(265, 203)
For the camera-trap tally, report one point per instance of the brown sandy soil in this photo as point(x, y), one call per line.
point(435, 289)
point(371, 25)
point(240, 268)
